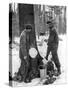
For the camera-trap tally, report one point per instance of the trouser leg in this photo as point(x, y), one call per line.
point(56, 59)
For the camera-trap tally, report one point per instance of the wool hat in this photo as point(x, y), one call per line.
point(28, 26)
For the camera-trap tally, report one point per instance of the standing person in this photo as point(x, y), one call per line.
point(23, 54)
point(53, 45)
point(29, 66)
point(25, 44)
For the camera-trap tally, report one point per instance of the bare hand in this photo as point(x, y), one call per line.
point(25, 57)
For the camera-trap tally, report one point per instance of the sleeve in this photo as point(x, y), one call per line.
point(23, 44)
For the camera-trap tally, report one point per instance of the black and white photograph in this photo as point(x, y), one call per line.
point(37, 44)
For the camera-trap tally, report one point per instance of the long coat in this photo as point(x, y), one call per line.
point(29, 66)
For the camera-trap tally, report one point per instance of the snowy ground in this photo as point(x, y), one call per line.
point(42, 46)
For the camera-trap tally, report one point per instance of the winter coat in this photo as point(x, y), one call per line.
point(26, 41)
point(53, 39)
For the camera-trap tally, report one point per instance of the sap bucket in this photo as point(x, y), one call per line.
point(43, 71)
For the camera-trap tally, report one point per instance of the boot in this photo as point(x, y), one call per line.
point(58, 72)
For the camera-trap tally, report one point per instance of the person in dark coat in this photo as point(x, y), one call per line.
point(23, 53)
point(53, 46)
point(29, 66)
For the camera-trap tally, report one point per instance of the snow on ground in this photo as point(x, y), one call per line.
point(42, 46)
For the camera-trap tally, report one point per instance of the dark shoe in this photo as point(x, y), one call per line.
point(17, 78)
point(57, 73)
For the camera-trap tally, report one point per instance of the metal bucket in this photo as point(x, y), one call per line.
point(43, 71)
